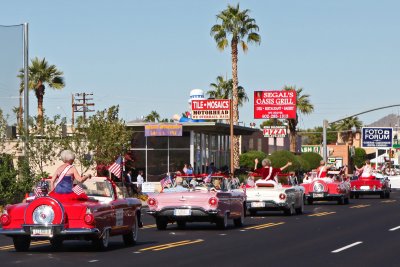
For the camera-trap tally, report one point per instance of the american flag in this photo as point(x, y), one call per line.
point(208, 179)
point(116, 167)
point(38, 191)
point(166, 181)
point(77, 189)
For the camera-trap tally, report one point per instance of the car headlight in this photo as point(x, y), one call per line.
point(318, 187)
point(43, 214)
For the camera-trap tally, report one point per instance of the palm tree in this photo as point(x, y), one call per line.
point(40, 75)
point(152, 117)
point(223, 89)
point(304, 106)
point(242, 29)
point(345, 128)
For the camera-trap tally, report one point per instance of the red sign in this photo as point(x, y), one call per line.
point(214, 109)
point(274, 131)
point(275, 104)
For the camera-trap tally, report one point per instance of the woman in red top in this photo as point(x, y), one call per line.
point(322, 169)
point(267, 171)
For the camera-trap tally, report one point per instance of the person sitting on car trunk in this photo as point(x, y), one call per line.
point(267, 171)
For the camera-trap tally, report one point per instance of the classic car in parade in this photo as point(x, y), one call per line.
point(94, 215)
point(284, 195)
point(374, 185)
point(331, 188)
point(198, 199)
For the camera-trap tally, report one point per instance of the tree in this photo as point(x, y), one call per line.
point(152, 117)
point(3, 128)
point(270, 122)
point(106, 134)
point(314, 136)
point(345, 128)
point(247, 159)
point(243, 30)
point(303, 107)
point(41, 74)
point(44, 144)
point(223, 89)
point(359, 156)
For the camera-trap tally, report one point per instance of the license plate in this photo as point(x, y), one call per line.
point(315, 195)
point(364, 187)
point(41, 232)
point(257, 204)
point(182, 212)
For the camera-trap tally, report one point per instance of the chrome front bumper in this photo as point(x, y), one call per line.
point(57, 230)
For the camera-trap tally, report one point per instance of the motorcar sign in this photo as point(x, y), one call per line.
point(378, 137)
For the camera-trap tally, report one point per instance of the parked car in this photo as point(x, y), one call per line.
point(202, 199)
point(284, 195)
point(96, 217)
point(331, 188)
point(375, 185)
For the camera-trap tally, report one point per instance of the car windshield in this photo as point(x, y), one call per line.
point(97, 188)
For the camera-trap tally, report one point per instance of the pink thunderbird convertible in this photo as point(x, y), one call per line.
point(213, 199)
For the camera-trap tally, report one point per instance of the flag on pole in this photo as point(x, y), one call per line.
point(166, 181)
point(207, 179)
point(38, 192)
point(116, 167)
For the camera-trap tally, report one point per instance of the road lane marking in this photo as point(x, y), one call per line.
point(188, 243)
point(92, 261)
point(171, 245)
point(321, 214)
point(37, 243)
point(388, 201)
point(148, 226)
point(262, 226)
point(359, 206)
point(395, 228)
point(346, 247)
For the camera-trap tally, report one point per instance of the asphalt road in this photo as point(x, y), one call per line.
point(364, 233)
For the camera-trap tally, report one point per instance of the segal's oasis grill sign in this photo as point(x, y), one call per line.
point(378, 137)
point(163, 129)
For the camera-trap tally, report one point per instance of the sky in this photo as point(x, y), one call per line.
point(148, 55)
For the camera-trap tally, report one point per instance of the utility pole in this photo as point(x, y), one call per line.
point(81, 103)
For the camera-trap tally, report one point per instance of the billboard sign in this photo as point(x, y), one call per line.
point(274, 131)
point(377, 137)
point(161, 129)
point(279, 104)
point(211, 109)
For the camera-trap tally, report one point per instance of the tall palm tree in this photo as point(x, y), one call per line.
point(40, 75)
point(345, 128)
point(304, 106)
point(153, 116)
point(243, 30)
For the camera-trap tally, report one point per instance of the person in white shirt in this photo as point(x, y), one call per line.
point(140, 180)
point(366, 170)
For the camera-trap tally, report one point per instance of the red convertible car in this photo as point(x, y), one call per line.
point(373, 185)
point(331, 188)
point(94, 215)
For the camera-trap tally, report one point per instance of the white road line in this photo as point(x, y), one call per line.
point(346, 247)
point(92, 261)
point(394, 229)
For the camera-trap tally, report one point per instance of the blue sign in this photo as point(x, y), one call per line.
point(378, 137)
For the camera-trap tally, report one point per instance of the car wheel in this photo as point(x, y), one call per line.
point(357, 196)
point(181, 224)
point(56, 243)
point(102, 242)
point(387, 194)
point(340, 200)
point(382, 195)
point(300, 210)
point(310, 201)
point(238, 222)
point(222, 223)
point(161, 223)
point(289, 211)
point(351, 195)
point(22, 243)
point(253, 213)
point(346, 200)
point(131, 237)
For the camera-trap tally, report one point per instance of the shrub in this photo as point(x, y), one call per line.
point(280, 158)
point(313, 159)
point(359, 156)
point(247, 159)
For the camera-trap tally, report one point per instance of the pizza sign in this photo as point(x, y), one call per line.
point(274, 131)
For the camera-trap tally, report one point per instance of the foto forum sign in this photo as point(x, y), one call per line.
point(211, 109)
point(377, 137)
point(275, 104)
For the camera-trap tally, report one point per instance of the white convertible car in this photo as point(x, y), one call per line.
point(272, 196)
